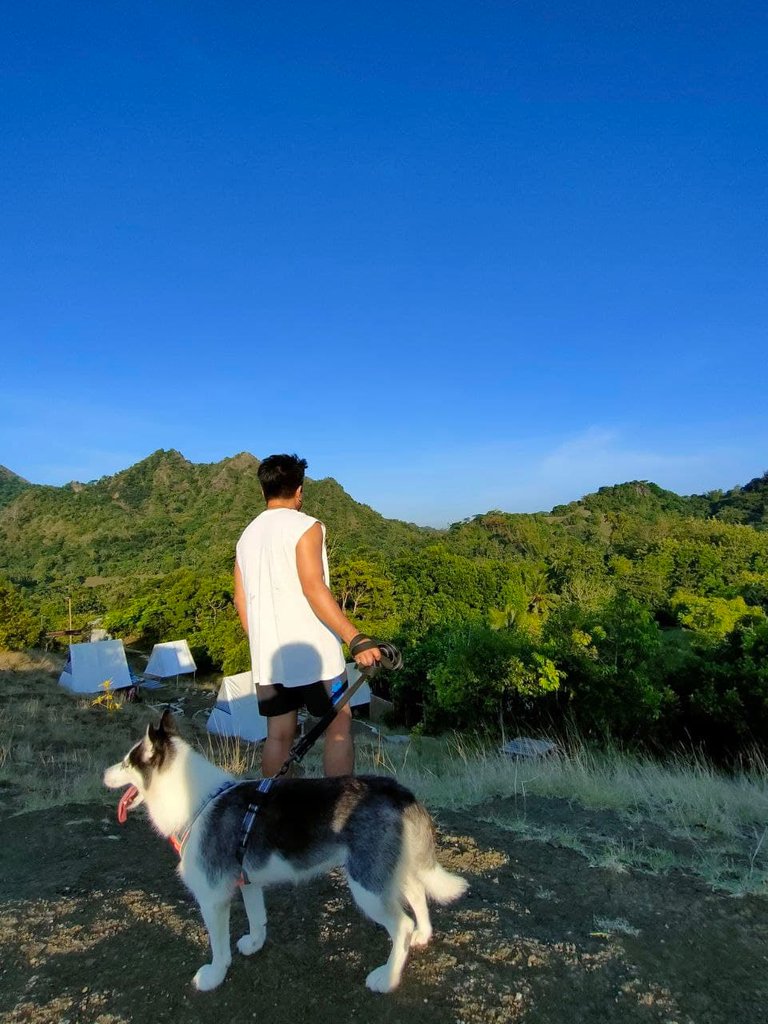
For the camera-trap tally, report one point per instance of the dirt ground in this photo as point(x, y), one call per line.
point(95, 928)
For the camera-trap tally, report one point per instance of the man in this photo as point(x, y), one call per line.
point(293, 622)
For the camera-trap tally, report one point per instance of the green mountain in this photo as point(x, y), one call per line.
point(623, 518)
point(164, 513)
point(10, 486)
point(634, 610)
point(747, 504)
point(593, 520)
point(637, 497)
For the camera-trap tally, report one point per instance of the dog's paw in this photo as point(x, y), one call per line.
point(420, 938)
point(381, 980)
point(209, 976)
point(250, 944)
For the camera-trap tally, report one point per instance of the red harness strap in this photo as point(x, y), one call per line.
point(179, 842)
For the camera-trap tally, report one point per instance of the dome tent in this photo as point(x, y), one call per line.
point(236, 712)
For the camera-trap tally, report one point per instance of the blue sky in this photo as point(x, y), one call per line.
point(459, 255)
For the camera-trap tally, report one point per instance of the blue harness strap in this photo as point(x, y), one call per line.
point(248, 820)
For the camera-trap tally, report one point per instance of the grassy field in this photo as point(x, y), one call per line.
point(683, 814)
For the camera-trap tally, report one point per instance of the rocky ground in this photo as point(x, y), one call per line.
point(95, 928)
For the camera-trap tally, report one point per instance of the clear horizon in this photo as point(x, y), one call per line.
point(458, 256)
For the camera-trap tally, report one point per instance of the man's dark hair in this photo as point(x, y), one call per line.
point(281, 476)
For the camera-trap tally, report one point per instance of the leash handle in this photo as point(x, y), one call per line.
point(391, 659)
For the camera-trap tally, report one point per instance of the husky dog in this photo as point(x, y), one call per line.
point(370, 826)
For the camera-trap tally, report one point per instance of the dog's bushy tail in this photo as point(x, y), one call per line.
point(440, 885)
point(443, 886)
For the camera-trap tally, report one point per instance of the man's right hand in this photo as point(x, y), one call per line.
point(368, 658)
point(369, 655)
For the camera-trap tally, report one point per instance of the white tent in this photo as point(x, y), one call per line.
point(173, 658)
point(236, 712)
point(89, 666)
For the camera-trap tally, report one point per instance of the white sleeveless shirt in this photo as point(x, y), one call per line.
point(289, 644)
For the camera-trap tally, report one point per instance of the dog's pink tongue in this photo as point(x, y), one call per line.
point(125, 802)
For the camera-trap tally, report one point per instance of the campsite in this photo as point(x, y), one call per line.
point(555, 926)
point(391, 376)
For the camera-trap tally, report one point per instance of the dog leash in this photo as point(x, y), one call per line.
point(391, 660)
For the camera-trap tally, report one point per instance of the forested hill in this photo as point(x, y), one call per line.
point(165, 513)
point(632, 611)
point(747, 504)
point(162, 514)
point(626, 518)
point(10, 485)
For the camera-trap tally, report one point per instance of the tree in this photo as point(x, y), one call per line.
point(711, 618)
point(471, 675)
point(612, 661)
point(436, 587)
point(723, 690)
point(366, 594)
point(19, 627)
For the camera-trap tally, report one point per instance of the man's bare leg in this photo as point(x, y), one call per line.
point(281, 731)
point(339, 750)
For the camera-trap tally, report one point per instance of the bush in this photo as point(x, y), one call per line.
point(723, 690)
point(711, 618)
point(463, 676)
point(613, 664)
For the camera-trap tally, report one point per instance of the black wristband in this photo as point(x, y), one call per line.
point(364, 645)
point(359, 643)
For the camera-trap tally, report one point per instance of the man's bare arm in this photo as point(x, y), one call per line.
point(241, 604)
point(309, 563)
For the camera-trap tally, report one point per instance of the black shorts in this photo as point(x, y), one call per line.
point(279, 700)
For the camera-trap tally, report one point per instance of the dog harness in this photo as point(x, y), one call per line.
point(178, 840)
point(250, 817)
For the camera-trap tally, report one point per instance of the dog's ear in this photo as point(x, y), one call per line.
point(147, 746)
point(168, 724)
point(157, 739)
point(159, 735)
